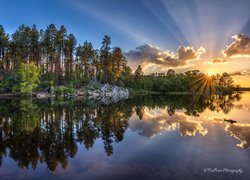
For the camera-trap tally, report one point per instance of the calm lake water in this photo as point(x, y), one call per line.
point(144, 137)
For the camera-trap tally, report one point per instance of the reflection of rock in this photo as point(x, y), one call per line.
point(223, 120)
point(240, 132)
point(109, 93)
point(44, 95)
point(230, 121)
point(155, 121)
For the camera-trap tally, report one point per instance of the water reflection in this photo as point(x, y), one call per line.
point(240, 132)
point(33, 132)
point(49, 134)
point(155, 121)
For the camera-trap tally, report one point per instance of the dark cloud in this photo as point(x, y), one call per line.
point(186, 53)
point(149, 54)
point(240, 47)
point(219, 60)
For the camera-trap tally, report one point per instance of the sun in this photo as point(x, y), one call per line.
point(211, 73)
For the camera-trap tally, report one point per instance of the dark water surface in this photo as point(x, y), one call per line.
point(147, 137)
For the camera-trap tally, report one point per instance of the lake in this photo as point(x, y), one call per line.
point(143, 137)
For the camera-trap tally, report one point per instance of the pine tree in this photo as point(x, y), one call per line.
point(138, 72)
point(105, 59)
point(69, 48)
point(4, 43)
point(34, 47)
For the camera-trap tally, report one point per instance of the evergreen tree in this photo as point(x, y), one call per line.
point(138, 72)
point(69, 48)
point(34, 47)
point(105, 61)
point(87, 58)
point(4, 43)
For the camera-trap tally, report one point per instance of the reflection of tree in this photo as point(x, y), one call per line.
point(87, 130)
point(222, 103)
point(40, 132)
point(155, 121)
point(113, 123)
point(139, 111)
point(171, 111)
point(217, 103)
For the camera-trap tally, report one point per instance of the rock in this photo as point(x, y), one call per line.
point(109, 94)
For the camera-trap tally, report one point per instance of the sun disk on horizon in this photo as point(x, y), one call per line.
point(211, 73)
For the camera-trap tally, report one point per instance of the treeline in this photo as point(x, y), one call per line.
point(32, 59)
point(59, 58)
point(191, 81)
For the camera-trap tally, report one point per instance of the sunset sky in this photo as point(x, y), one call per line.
point(210, 35)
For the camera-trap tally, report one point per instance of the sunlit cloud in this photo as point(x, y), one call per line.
point(239, 48)
point(245, 72)
point(148, 55)
point(218, 61)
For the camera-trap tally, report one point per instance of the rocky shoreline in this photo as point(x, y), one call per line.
point(109, 93)
point(104, 94)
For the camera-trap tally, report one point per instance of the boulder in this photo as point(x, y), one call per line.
point(109, 94)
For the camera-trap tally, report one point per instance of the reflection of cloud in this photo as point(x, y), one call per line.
point(240, 47)
point(245, 107)
point(190, 128)
point(156, 121)
point(218, 61)
point(217, 120)
point(146, 54)
point(240, 132)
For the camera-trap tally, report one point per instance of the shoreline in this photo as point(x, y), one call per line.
point(87, 94)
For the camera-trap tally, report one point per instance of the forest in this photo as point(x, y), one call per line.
point(32, 60)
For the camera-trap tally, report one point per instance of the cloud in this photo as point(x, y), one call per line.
point(239, 48)
point(241, 73)
point(219, 61)
point(236, 73)
point(148, 54)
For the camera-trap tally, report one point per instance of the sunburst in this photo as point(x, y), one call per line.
point(202, 85)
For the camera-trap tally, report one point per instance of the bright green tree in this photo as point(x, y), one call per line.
point(29, 78)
